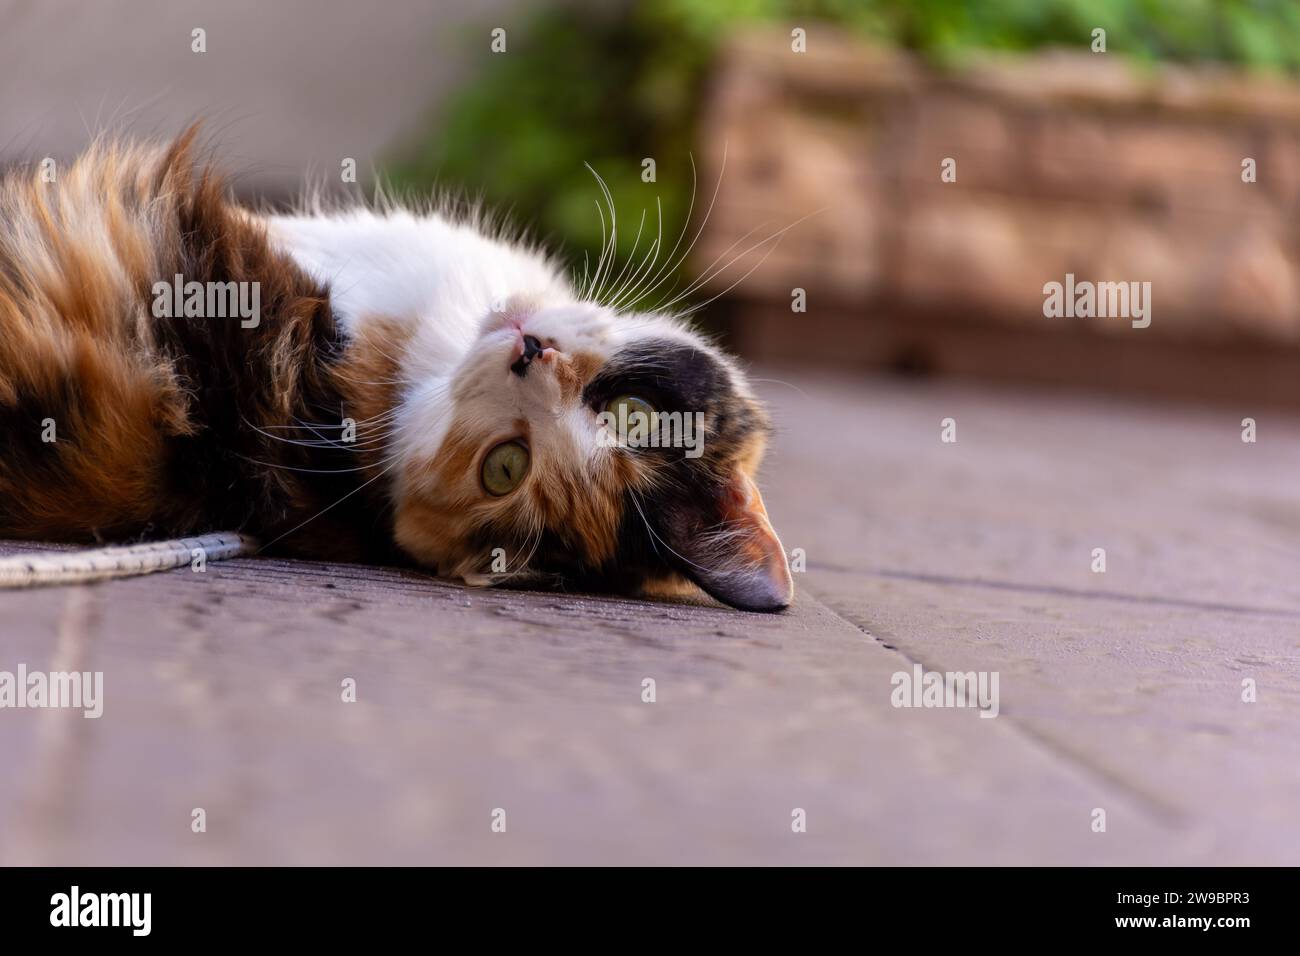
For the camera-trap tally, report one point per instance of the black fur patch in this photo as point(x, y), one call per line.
point(673, 377)
point(240, 382)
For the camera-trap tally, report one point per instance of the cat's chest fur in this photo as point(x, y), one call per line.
point(438, 278)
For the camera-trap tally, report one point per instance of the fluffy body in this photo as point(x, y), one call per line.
point(394, 351)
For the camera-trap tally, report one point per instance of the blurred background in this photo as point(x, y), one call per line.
point(1125, 165)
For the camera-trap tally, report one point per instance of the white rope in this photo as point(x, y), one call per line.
point(75, 567)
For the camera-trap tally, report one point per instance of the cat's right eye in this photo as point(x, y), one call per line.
point(504, 467)
point(625, 406)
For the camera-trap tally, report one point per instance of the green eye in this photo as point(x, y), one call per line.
point(624, 406)
point(504, 467)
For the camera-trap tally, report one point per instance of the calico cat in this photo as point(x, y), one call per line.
point(413, 387)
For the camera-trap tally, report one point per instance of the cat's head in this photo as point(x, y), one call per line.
point(598, 450)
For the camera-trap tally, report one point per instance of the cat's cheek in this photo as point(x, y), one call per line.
point(419, 533)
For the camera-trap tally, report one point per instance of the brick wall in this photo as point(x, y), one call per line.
point(1066, 162)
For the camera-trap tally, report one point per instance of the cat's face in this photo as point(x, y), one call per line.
point(512, 474)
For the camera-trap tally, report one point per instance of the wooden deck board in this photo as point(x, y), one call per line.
point(1120, 691)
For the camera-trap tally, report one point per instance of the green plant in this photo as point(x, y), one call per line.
point(586, 83)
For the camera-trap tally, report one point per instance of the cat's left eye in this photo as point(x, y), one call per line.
point(504, 467)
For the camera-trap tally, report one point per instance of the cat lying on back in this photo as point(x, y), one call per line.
point(410, 385)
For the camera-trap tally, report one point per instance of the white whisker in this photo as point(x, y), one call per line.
point(335, 504)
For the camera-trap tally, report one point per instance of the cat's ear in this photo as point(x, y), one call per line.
point(729, 549)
